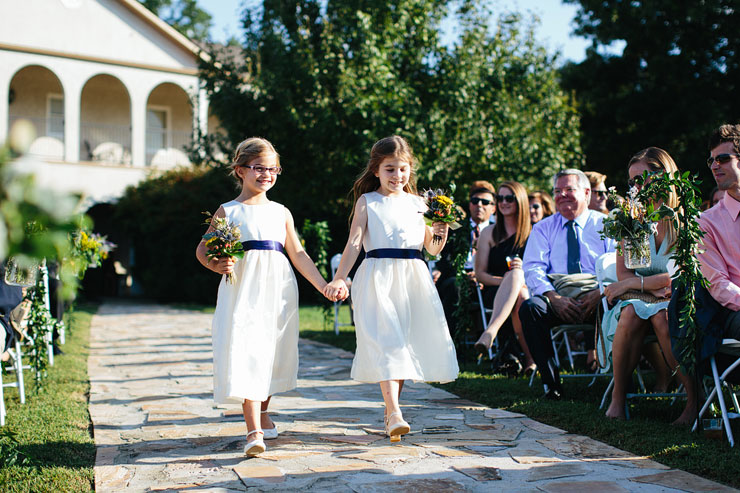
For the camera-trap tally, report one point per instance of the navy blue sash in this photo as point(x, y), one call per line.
point(263, 245)
point(408, 253)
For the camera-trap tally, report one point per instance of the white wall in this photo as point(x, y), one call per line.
point(93, 28)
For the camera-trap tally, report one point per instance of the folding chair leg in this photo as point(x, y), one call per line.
point(606, 393)
point(2, 401)
point(568, 351)
point(721, 399)
point(19, 371)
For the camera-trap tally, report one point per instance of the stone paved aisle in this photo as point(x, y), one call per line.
point(156, 427)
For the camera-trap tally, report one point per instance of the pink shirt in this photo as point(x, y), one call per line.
point(720, 260)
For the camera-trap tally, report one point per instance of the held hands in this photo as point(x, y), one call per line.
point(575, 311)
point(222, 265)
point(336, 290)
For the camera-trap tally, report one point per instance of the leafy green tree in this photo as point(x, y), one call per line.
point(324, 80)
point(183, 15)
point(672, 85)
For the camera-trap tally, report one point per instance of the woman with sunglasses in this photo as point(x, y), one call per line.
point(629, 321)
point(498, 265)
point(541, 206)
point(598, 191)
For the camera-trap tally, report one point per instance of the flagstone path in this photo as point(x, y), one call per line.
point(157, 429)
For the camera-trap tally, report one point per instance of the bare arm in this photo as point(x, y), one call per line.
point(337, 287)
point(219, 265)
point(299, 257)
point(481, 259)
point(629, 281)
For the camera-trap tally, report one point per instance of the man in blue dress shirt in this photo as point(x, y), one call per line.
point(567, 242)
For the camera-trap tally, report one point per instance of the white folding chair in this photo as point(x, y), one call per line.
point(334, 263)
point(729, 347)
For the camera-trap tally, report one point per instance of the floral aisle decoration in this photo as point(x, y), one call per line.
point(223, 241)
point(88, 251)
point(40, 328)
point(441, 208)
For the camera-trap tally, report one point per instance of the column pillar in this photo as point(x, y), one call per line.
point(5, 79)
point(72, 100)
point(138, 128)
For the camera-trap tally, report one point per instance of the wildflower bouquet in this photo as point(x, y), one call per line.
point(223, 241)
point(88, 250)
point(441, 208)
point(630, 224)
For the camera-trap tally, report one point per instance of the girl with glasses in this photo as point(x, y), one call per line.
point(400, 325)
point(498, 266)
point(255, 326)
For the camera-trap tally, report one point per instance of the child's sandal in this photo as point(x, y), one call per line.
point(395, 430)
point(270, 433)
point(256, 445)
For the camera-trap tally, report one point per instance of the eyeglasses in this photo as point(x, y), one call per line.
point(601, 193)
point(535, 206)
point(721, 159)
point(506, 198)
point(633, 181)
point(478, 200)
point(263, 169)
point(567, 191)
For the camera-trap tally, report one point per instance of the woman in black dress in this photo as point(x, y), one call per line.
point(503, 279)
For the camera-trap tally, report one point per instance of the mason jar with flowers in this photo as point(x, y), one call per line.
point(630, 225)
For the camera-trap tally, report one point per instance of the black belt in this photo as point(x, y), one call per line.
point(408, 253)
point(263, 245)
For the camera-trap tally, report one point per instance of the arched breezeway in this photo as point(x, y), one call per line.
point(169, 126)
point(105, 121)
point(37, 95)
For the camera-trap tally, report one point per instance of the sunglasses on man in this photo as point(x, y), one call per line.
point(721, 159)
point(601, 193)
point(480, 201)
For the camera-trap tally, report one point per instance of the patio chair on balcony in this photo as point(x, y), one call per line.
point(48, 147)
point(111, 153)
point(170, 158)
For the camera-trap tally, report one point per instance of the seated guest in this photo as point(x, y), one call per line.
point(541, 206)
point(498, 265)
point(567, 242)
point(481, 206)
point(598, 191)
point(629, 321)
point(720, 258)
point(715, 196)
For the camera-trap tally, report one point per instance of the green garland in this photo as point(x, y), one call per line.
point(463, 319)
point(40, 326)
point(686, 249)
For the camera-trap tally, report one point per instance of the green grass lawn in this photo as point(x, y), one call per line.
point(53, 427)
point(648, 433)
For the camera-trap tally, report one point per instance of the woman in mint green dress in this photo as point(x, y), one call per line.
point(628, 322)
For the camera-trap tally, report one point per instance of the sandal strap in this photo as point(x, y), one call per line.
point(255, 431)
point(394, 414)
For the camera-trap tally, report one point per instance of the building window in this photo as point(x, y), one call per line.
point(157, 130)
point(55, 116)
